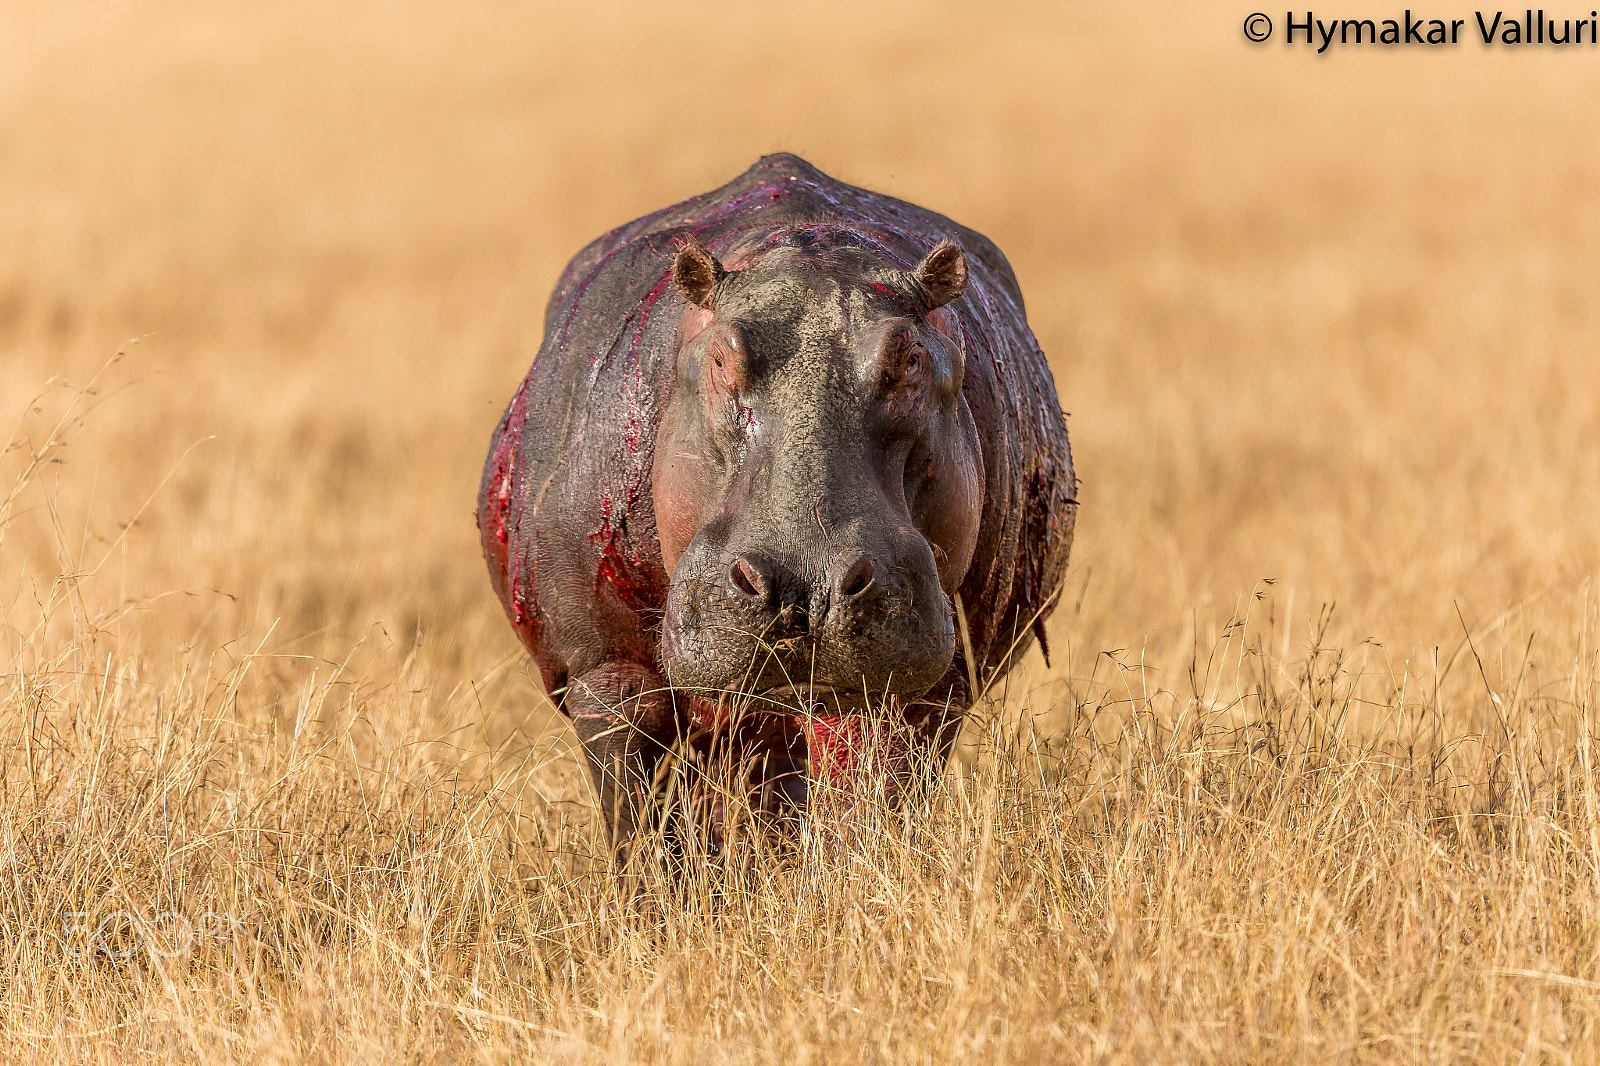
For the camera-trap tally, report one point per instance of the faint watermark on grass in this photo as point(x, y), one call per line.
point(122, 934)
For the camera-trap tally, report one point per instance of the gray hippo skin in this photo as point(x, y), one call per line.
point(773, 435)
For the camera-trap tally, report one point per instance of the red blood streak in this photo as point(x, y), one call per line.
point(504, 517)
point(707, 714)
point(615, 567)
point(843, 746)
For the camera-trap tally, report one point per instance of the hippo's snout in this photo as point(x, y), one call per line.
point(860, 620)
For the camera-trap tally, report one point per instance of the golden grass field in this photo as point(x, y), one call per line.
point(1312, 776)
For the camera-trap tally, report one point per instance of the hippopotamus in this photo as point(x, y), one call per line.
point(790, 470)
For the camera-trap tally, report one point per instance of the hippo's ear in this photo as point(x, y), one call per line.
point(696, 272)
point(941, 276)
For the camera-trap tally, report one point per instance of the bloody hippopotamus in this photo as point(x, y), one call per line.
point(789, 468)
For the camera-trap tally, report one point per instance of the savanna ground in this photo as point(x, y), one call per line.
point(1312, 773)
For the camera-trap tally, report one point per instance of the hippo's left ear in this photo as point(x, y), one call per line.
point(696, 272)
point(941, 276)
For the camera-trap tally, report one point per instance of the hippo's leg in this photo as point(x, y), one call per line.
point(750, 776)
point(778, 781)
point(774, 780)
point(623, 715)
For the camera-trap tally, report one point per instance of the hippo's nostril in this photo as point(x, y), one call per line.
point(745, 575)
point(856, 579)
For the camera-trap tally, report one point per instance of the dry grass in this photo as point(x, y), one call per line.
point(1312, 775)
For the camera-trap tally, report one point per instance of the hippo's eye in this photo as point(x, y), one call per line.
point(901, 361)
point(728, 363)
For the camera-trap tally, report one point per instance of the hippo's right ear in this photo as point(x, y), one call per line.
point(941, 276)
point(696, 272)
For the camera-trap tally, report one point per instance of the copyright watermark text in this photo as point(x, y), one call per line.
point(122, 934)
point(1305, 29)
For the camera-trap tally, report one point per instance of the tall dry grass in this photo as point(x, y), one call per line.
point(1312, 773)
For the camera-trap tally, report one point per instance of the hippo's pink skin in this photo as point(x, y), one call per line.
point(768, 439)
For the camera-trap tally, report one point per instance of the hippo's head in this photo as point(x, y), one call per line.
point(818, 477)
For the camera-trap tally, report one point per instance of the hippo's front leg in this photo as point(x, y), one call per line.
point(623, 715)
